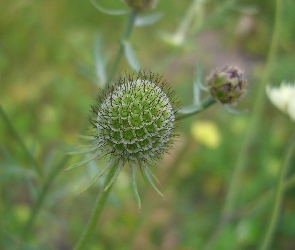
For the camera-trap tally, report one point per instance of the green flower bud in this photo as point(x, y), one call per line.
point(135, 118)
point(134, 122)
point(227, 85)
point(142, 5)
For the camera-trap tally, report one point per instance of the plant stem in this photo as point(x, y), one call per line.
point(195, 108)
point(263, 198)
point(126, 35)
point(44, 190)
point(97, 210)
point(41, 196)
point(102, 198)
point(255, 120)
point(278, 197)
point(250, 134)
point(21, 142)
point(185, 23)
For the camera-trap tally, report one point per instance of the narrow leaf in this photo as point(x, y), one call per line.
point(151, 173)
point(148, 19)
point(233, 111)
point(100, 61)
point(32, 188)
point(108, 11)
point(147, 177)
point(197, 83)
point(86, 137)
point(82, 151)
point(96, 178)
point(86, 72)
point(189, 109)
point(80, 163)
point(134, 184)
point(115, 175)
point(131, 57)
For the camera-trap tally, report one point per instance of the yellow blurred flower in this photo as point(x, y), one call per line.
point(283, 98)
point(207, 133)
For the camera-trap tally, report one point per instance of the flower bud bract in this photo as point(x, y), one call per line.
point(227, 85)
point(135, 118)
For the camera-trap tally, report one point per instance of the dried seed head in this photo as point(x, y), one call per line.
point(135, 118)
point(227, 85)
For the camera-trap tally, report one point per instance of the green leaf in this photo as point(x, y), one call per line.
point(96, 178)
point(231, 110)
point(148, 19)
point(100, 61)
point(108, 11)
point(151, 173)
point(147, 177)
point(80, 163)
point(87, 73)
point(115, 175)
point(131, 57)
point(197, 84)
point(86, 137)
point(134, 184)
point(82, 151)
point(189, 109)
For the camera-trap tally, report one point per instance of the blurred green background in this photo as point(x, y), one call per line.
point(46, 66)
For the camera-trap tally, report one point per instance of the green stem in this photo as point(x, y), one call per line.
point(262, 199)
point(250, 134)
point(41, 197)
point(102, 198)
point(195, 108)
point(255, 120)
point(44, 190)
point(21, 143)
point(278, 197)
point(187, 20)
point(126, 35)
point(253, 206)
point(97, 210)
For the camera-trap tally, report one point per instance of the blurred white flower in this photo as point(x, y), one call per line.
point(283, 98)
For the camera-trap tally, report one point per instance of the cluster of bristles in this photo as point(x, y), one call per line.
point(135, 118)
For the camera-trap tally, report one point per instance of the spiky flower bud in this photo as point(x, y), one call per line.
point(134, 122)
point(227, 85)
point(135, 118)
point(142, 5)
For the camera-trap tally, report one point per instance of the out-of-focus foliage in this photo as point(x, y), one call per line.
point(48, 81)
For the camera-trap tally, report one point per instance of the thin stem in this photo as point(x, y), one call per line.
point(255, 120)
point(278, 197)
point(250, 134)
point(98, 208)
point(44, 190)
point(263, 198)
point(126, 35)
point(194, 109)
point(21, 142)
point(254, 205)
point(187, 20)
point(41, 197)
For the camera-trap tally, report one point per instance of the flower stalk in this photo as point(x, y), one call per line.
point(16, 135)
point(98, 208)
point(195, 108)
point(255, 119)
point(250, 134)
point(126, 35)
point(279, 195)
